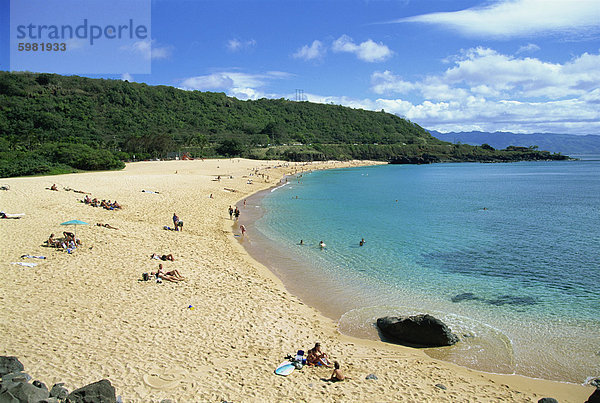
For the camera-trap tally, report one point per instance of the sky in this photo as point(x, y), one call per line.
point(448, 65)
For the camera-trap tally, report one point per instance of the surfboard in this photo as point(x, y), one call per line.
point(285, 368)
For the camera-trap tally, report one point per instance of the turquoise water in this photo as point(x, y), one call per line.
point(517, 281)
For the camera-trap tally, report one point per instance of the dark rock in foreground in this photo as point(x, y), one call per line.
point(419, 330)
point(97, 392)
point(10, 364)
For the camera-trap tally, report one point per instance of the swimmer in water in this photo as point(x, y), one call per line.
point(362, 242)
point(301, 242)
point(322, 244)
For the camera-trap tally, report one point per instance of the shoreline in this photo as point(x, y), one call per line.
point(77, 318)
point(284, 261)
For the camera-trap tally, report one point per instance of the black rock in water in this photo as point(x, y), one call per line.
point(594, 397)
point(97, 392)
point(419, 330)
point(10, 364)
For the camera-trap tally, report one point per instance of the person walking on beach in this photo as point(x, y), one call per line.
point(243, 229)
point(236, 213)
point(230, 213)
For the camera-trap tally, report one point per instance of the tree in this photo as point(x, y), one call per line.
point(231, 148)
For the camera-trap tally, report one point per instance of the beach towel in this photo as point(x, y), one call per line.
point(33, 257)
point(25, 264)
point(15, 216)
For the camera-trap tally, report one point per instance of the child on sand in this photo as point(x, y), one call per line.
point(337, 374)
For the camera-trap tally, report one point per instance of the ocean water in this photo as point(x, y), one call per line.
point(508, 255)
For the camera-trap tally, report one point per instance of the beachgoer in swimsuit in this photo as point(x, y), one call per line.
point(243, 229)
point(362, 242)
point(317, 357)
point(337, 374)
point(160, 274)
point(322, 245)
point(230, 212)
point(176, 222)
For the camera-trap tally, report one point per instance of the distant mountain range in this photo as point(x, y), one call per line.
point(567, 144)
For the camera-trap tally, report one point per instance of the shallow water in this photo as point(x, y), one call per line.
point(517, 281)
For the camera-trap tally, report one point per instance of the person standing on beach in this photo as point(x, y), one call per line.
point(236, 213)
point(243, 229)
point(176, 222)
point(230, 213)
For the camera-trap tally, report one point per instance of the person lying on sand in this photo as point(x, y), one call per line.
point(172, 276)
point(162, 257)
point(106, 225)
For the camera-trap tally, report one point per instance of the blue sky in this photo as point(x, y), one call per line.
point(448, 65)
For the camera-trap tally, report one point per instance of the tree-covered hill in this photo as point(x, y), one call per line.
point(52, 123)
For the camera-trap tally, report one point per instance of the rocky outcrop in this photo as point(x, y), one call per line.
point(10, 364)
point(15, 388)
point(419, 330)
point(101, 391)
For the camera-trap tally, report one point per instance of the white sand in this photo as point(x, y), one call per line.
point(78, 318)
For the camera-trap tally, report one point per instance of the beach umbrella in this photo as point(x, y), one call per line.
point(75, 223)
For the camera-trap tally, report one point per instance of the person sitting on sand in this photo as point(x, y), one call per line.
point(317, 357)
point(164, 258)
point(337, 374)
point(55, 243)
point(172, 276)
point(53, 187)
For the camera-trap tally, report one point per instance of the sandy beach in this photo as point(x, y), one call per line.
point(85, 316)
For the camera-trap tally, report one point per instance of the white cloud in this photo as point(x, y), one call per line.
point(368, 51)
point(235, 84)
point(510, 18)
point(148, 49)
point(485, 72)
point(127, 77)
point(235, 45)
point(315, 51)
point(387, 82)
point(529, 48)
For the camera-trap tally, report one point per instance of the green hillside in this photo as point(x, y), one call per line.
point(51, 123)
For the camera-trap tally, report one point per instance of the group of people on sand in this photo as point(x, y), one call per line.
point(234, 213)
point(316, 357)
point(68, 242)
point(108, 205)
